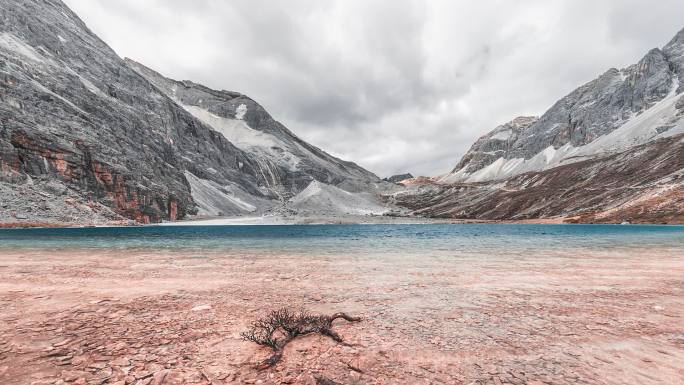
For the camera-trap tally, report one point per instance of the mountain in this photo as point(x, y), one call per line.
point(398, 178)
point(612, 113)
point(611, 150)
point(86, 136)
point(642, 185)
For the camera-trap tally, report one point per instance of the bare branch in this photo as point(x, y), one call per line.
point(279, 327)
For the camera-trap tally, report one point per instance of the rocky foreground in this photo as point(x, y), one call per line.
point(107, 317)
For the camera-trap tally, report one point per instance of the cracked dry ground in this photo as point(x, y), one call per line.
point(141, 317)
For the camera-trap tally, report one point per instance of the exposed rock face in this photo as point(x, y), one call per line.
point(71, 110)
point(618, 110)
point(494, 145)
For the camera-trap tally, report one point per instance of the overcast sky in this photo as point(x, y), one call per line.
point(395, 86)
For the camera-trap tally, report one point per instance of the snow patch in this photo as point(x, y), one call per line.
point(93, 88)
point(213, 199)
point(235, 130)
point(502, 135)
point(639, 129)
point(241, 111)
point(246, 138)
point(12, 43)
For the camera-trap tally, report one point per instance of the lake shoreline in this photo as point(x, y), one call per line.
point(276, 220)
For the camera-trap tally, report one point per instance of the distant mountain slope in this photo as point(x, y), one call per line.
point(76, 116)
point(322, 199)
point(618, 110)
point(643, 184)
point(398, 178)
point(286, 162)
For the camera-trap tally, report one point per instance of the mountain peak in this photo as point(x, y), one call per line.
point(677, 40)
point(523, 121)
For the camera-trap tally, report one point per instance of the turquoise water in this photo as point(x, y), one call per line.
point(350, 239)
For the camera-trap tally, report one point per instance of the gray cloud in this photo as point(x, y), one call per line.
point(393, 85)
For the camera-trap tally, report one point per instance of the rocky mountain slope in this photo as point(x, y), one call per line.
point(120, 141)
point(618, 110)
point(286, 162)
point(644, 184)
point(610, 151)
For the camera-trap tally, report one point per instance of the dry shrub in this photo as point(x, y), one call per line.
point(281, 326)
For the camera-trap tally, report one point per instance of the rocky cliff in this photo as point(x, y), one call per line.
point(119, 141)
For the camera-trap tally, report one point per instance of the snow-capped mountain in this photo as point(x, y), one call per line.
point(80, 128)
point(618, 110)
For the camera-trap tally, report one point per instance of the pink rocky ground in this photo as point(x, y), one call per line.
point(112, 317)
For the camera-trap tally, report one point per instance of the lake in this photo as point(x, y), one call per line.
point(336, 239)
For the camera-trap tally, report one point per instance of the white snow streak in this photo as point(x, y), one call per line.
point(241, 111)
point(214, 199)
point(246, 138)
point(12, 43)
point(502, 135)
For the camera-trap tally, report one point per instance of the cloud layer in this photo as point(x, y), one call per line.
point(396, 86)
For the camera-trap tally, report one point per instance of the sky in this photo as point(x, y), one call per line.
point(394, 85)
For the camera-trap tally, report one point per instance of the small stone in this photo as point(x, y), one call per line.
point(316, 297)
point(62, 343)
point(158, 377)
point(201, 308)
point(97, 365)
point(122, 361)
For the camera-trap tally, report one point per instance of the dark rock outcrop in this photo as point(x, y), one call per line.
point(398, 178)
